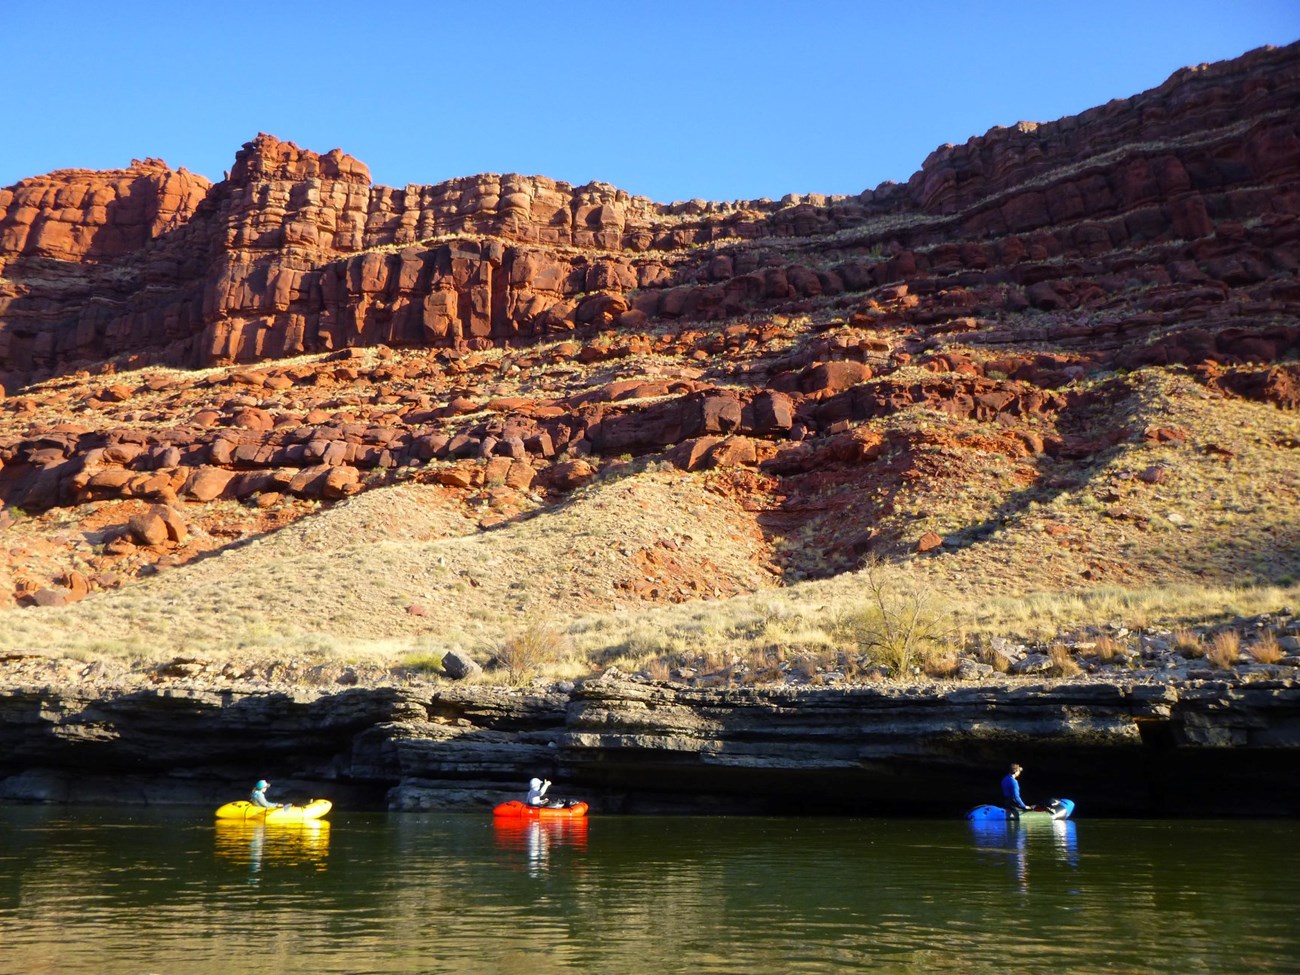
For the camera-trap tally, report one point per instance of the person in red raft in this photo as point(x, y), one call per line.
point(537, 796)
point(537, 792)
point(538, 805)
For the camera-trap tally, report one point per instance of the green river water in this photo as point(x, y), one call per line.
point(108, 891)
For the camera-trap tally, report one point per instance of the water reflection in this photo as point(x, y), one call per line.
point(1014, 842)
point(120, 892)
point(537, 837)
point(287, 844)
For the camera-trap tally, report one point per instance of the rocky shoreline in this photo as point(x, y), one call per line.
point(1202, 743)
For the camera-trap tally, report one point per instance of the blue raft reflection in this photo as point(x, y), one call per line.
point(1014, 843)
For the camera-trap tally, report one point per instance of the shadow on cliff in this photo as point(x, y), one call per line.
point(144, 291)
point(179, 744)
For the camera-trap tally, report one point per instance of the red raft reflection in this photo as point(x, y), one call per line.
point(543, 842)
point(535, 834)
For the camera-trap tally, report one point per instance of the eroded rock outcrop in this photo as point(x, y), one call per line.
point(1189, 187)
point(94, 216)
point(638, 746)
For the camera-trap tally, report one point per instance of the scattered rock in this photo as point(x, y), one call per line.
point(458, 666)
point(968, 669)
point(1034, 663)
point(148, 528)
point(929, 542)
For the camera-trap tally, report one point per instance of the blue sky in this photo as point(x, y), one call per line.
point(717, 99)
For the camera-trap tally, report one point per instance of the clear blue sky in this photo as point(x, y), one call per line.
point(670, 99)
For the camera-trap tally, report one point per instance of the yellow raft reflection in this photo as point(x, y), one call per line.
point(305, 843)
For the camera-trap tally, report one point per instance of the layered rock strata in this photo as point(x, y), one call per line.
point(1187, 189)
point(1197, 747)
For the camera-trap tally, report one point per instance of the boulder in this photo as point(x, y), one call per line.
point(570, 474)
point(459, 666)
point(929, 542)
point(148, 528)
point(1033, 663)
point(207, 483)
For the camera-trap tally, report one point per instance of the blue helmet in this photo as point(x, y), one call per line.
point(261, 784)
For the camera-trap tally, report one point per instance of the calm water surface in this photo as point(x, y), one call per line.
point(131, 891)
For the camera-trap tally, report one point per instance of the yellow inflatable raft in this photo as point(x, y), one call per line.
point(242, 809)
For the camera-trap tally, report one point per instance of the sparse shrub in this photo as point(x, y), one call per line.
point(995, 658)
point(530, 651)
point(1225, 649)
point(1266, 650)
point(1139, 618)
point(1063, 663)
point(764, 665)
point(711, 662)
point(849, 664)
point(1188, 643)
point(804, 666)
point(942, 664)
point(901, 625)
point(658, 669)
point(1107, 648)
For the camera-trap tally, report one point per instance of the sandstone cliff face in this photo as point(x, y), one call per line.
point(631, 746)
point(91, 216)
point(296, 252)
point(1191, 184)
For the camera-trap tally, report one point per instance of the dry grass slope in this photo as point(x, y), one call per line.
point(342, 582)
point(656, 568)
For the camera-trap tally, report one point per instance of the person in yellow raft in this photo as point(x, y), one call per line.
point(258, 796)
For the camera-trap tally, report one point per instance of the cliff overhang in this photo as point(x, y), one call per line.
point(1188, 748)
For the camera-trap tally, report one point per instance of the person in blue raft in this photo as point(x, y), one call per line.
point(1011, 800)
point(258, 796)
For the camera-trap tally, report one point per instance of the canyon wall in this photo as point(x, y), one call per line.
point(1205, 747)
point(1189, 187)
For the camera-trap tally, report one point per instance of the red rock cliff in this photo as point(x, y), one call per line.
point(297, 252)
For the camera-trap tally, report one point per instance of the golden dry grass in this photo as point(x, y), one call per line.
point(1188, 643)
point(1106, 648)
point(1223, 512)
point(1225, 649)
point(1266, 649)
point(341, 582)
point(1063, 662)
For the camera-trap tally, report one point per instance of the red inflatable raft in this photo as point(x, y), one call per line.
point(514, 809)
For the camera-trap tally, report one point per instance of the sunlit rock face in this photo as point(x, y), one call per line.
point(296, 251)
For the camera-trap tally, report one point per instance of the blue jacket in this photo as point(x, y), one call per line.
point(1011, 790)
